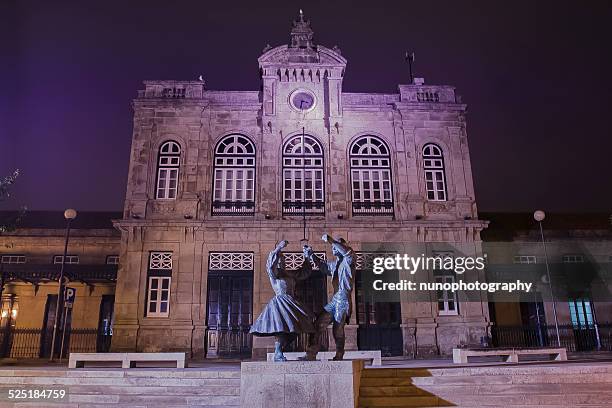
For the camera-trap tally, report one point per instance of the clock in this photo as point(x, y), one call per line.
point(302, 100)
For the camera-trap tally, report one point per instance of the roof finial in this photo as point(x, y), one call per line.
point(301, 33)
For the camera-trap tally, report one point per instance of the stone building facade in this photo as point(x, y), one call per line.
point(216, 178)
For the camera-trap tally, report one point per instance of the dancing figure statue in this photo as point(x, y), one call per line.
point(338, 310)
point(283, 317)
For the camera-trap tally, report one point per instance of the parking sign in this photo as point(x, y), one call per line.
point(69, 296)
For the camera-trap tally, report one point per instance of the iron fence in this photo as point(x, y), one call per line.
point(597, 337)
point(233, 207)
point(35, 343)
point(300, 207)
point(373, 208)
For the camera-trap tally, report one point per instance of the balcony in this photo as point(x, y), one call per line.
point(373, 208)
point(428, 94)
point(41, 273)
point(299, 208)
point(233, 208)
point(172, 90)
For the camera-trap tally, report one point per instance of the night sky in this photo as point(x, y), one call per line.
point(535, 76)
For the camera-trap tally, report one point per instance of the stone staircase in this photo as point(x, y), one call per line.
point(543, 385)
point(134, 388)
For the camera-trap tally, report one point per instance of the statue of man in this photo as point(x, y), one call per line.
point(338, 310)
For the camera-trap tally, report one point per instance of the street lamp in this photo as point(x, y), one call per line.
point(539, 216)
point(69, 215)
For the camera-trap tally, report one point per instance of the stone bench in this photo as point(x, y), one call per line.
point(460, 356)
point(127, 360)
point(373, 355)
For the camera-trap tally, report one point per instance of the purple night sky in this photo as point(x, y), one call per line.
point(535, 75)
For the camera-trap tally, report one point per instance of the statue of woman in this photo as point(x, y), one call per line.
point(283, 317)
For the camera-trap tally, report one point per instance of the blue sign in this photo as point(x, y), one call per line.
point(69, 296)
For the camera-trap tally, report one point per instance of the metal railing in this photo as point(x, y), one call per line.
point(35, 343)
point(299, 207)
point(233, 208)
point(36, 273)
point(596, 337)
point(372, 208)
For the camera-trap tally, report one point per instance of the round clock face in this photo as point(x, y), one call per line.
point(302, 100)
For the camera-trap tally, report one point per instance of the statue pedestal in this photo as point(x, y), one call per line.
point(296, 384)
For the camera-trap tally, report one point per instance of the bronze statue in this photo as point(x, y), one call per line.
point(283, 317)
point(338, 310)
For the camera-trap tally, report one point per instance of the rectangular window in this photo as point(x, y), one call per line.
point(447, 300)
point(13, 259)
point(306, 182)
point(371, 191)
point(525, 259)
point(159, 296)
point(581, 312)
point(573, 259)
point(158, 284)
point(234, 190)
point(112, 260)
point(70, 259)
point(167, 183)
point(435, 185)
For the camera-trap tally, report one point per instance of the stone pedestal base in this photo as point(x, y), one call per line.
point(300, 384)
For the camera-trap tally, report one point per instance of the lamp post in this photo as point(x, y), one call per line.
point(539, 216)
point(69, 215)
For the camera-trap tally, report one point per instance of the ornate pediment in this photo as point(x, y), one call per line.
point(284, 55)
point(301, 49)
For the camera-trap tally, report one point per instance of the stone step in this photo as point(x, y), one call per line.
point(473, 405)
point(119, 373)
point(385, 382)
point(529, 369)
point(127, 390)
point(146, 388)
point(582, 388)
point(514, 379)
point(226, 400)
point(412, 401)
point(96, 405)
point(391, 391)
point(122, 381)
point(543, 400)
point(395, 372)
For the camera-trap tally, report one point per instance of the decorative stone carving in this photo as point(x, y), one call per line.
point(163, 207)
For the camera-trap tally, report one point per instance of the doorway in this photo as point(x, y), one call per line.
point(229, 305)
point(378, 322)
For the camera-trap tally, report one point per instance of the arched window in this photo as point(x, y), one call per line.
point(371, 177)
point(303, 176)
point(234, 181)
point(168, 162)
point(435, 179)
